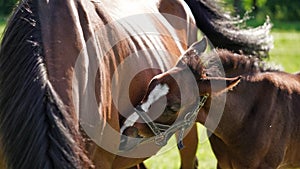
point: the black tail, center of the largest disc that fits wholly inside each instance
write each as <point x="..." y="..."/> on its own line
<point x="224" y="31"/>
<point x="35" y="130"/>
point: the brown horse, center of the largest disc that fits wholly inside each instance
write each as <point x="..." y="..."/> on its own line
<point x="259" y="126"/>
<point x="56" y="55"/>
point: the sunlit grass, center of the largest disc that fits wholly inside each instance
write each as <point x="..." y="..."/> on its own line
<point x="286" y="50"/>
<point x="170" y="159"/>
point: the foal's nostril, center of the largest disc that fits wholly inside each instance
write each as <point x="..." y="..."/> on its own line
<point x="131" y="132"/>
<point x="174" y="107"/>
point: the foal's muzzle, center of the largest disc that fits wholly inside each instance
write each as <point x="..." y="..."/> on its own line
<point x="162" y="132"/>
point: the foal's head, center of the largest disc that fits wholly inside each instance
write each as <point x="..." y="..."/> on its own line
<point x="173" y="94"/>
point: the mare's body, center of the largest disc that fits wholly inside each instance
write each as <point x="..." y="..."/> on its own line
<point x="59" y="33"/>
<point x="38" y="58"/>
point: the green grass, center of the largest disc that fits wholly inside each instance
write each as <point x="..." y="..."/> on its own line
<point x="286" y="52"/>
<point x="169" y="159"/>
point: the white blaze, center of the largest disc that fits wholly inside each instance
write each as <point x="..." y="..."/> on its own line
<point x="159" y="91"/>
<point x="129" y="121"/>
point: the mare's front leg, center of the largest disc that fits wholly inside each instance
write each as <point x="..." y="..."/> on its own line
<point x="188" y="153"/>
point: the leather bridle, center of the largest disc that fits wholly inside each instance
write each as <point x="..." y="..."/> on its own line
<point x="163" y="132"/>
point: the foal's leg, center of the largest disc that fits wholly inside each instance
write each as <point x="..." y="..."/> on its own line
<point x="188" y="153"/>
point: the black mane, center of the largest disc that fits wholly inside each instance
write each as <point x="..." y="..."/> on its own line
<point x="35" y="130"/>
<point x="225" y="31"/>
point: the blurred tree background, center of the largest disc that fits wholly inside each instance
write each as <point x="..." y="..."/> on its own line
<point x="279" y="10"/>
<point x="6" y="6"/>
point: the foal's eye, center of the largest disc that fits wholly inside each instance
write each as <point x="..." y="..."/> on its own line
<point x="174" y="107"/>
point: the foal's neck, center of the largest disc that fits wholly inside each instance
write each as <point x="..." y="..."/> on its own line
<point x="227" y="111"/>
<point x="235" y="64"/>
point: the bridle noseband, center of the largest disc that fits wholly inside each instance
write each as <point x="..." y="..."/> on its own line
<point x="163" y="132"/>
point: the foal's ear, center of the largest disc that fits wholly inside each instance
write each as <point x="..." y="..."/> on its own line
<point x="192" y="55"/>
<point x="199" y="46"/>
<point x="218" y="85"/>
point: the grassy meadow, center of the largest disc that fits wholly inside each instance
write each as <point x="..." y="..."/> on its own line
<point x="286" y="52"/>
<point x="170" y="159"/>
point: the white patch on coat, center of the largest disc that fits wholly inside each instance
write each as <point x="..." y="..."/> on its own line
<point x="159" y="91"/>
<point x="129" y="121"/>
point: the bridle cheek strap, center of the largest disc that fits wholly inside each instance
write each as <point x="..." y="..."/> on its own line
<point x="163" y="132"/>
